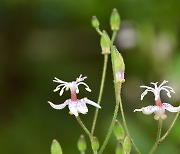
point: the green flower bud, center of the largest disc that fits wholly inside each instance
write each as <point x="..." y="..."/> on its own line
<point x="127" y="145"/>
<point x="118" y="130"/>
<point x="95" y="143"/>
<point x="95" y="22"/>
<point x="115" y="20"/>
<point x="105" y="43"/>
<point x="118" y="65"/>
<point x="119" y="148"/>
<point x="81" y="144"/>
<point x="55" y="147"/>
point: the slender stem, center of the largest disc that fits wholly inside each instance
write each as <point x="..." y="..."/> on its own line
<point x="125" y="126"/>
<point x="110" y="129"/>
<point x="82" y="152"/>
<point x="84" y="127"/>
<point x="117" y="104"/>
<point x="118" y="97"/>
<point x="99" y="31"/>
<point x="100" y="92"/>
<point x="170" y="128"/>
<point x="95" y="152"/>
<point x="158" y="137"/>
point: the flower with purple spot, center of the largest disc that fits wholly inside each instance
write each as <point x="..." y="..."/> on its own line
<point x="75" y="105"/>
<point x="159" y="108"/>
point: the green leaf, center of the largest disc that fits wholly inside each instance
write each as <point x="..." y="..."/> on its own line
<point x="55" y="147"/>
<point x="95" y="143"/>
<point x="115" y="20"/>
<point x="127" y="145"/>
<point x="118" y="130"/>
<point x="119" y="148"/>
<point x="81" y="144"/>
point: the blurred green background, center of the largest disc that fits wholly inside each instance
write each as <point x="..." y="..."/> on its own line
<point x="41" y="39"/>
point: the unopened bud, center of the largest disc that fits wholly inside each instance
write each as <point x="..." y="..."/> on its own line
<point x="118" y="64"/>
<point x="95" y="22"/>
<point x="118" y="130"/>
<point x="105" y="43"/>
<point x="115" y="20"/>
<point x="81" y="144"/>
<point x="95" y="143"/>
<point x="119" y="148"/>
<point x="55" y="147"/>
<point x="127" y="145"/>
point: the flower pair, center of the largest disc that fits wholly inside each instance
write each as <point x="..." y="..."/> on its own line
<point x="159" y="108"/>
<point x="75" y="105"/>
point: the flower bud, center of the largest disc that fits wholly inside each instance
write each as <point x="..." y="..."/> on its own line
<point x="118" y="65"/>
<point x="127" y="145"/>
<point x="95" y="143"/>
<point x="119" y="148"/>
<point x="115" y="20"/>
<point x="95" y="22"/>
<point x="118" y="130"/>
<point x="105" y="43"/>
<point x="55" y="147"/>
<point x="81" y="144"/>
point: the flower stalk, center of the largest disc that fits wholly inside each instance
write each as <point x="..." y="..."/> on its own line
<point x="100" y="92"/>
<point x="158" y="137"/>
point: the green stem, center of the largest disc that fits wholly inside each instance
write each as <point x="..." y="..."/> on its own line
<point x="170" y="128"/>
<point x="158" y="137"/>
<point x="99" y="31"/>
<point x="100" y="92"/>
<point x="94" y="152"/>
<point x="125" y="125"/>
<point x="110" y="129"/>
<point x="82" y="152"/>
<point x="84" y="127"/>
<point x="116" y="107"/>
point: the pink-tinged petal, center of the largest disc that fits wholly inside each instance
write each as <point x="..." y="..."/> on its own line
<point x="60" y="106"/>
<point x="90" y="102"/>
<point x="73" y="109"/>
<point x="147" y="110"/>
<point x="81" y="107"/>
<point x="171" y="108"/>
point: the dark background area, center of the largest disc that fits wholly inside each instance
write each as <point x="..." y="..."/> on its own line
<point x="41" y="39"/>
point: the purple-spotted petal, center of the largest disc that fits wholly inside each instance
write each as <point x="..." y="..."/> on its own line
<point x="73" y="109"/>
<point x="81" y="107"/>
<point x="171" y="108"/>
<point x="90" y="102"/>
<point x="147" y="110"/>
<point x="59" y="106"/>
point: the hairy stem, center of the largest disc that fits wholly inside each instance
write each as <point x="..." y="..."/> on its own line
<point x="170" y="128"/>
<point x="158" y="137"/>
<point x="100" y="92"/>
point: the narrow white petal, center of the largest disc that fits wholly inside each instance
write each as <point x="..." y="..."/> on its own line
<point x="171" y="108"/>
<point x="164" y="82"/>
<point x="62" y="91"/>
<point x="81" y="107"/>
<point x="73" y="109"/>
<point x="87" y="87"/>
<point x="60" y="106"/>
<point x="147" y="110"/>
<point x="90" y="102"/>
<point x="167" y="91"/>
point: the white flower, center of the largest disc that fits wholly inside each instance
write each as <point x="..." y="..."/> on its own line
<point x="75" y="105"/>
<point x="159" y="108"/>
<point x="157" y="89"/>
